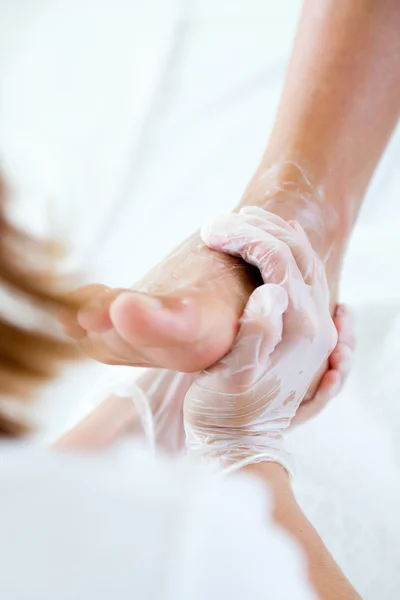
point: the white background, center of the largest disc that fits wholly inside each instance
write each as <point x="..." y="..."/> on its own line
<point x="122" y="128"/>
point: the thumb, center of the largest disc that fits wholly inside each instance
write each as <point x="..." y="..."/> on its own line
<point x="261" y="330"/>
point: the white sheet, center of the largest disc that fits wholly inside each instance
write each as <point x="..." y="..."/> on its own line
<point x="140" y="528"/>
<point x="125" y="133"/>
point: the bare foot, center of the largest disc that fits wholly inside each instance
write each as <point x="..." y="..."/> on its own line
<point x="165" y="390"/>
<point x="182" y="316"/>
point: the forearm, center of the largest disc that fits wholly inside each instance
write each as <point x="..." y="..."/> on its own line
<point x="340" y="103"/>
<point x="108" y="422"/>
<point x="121" y="414"/>
<point x="324" y="574"/>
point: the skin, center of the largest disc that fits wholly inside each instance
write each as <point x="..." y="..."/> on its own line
<point x="116" y="417"/>
<point x="308" y="294"/>
<point x="324" y="574"/>
<point x="247" y="408"/>
<point x="339" y="106"/>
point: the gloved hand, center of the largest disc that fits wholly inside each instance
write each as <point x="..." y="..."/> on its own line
<point x="153" y="404"/>
<point x="166" y="390"/>
<point x="238" y="410"/>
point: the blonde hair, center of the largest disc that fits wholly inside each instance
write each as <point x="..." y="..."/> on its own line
<point x="28" y="357"/>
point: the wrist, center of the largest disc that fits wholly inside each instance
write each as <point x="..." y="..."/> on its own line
<point x="275" y="476"/>
<point x="289" y="190"/>
<point x="286" y="189"/>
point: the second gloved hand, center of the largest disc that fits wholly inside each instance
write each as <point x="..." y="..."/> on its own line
<point x="237" y="411"/>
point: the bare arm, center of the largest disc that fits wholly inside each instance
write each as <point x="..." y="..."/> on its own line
<point x="324" y="574"/>
<point x="341" y="99"/>
<point x="108" y="422"/>
<point x="119" y="414"/>
<point x="339" y="106"/>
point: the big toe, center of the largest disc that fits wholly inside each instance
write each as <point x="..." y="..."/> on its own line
<point x="182" y="332"/>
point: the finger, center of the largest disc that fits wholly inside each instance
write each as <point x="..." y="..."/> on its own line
<point x="257" y="211"/>
<point x="340" y="362"/>
<point x="234" y="235"/>
<point x="344" y="322"/>
<point x="328" y="389"/>
<point x="289" y="232"/>
<point x="342" y="357"/>
<point x="260" y="332"/>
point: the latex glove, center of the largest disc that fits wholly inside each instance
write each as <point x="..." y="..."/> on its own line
<point x="166" y="390"/>
<point x="238" y="410"/>
<point x="340" y="364"/>
<point x="153" y="404"/>
<point x="122" y="405"/>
